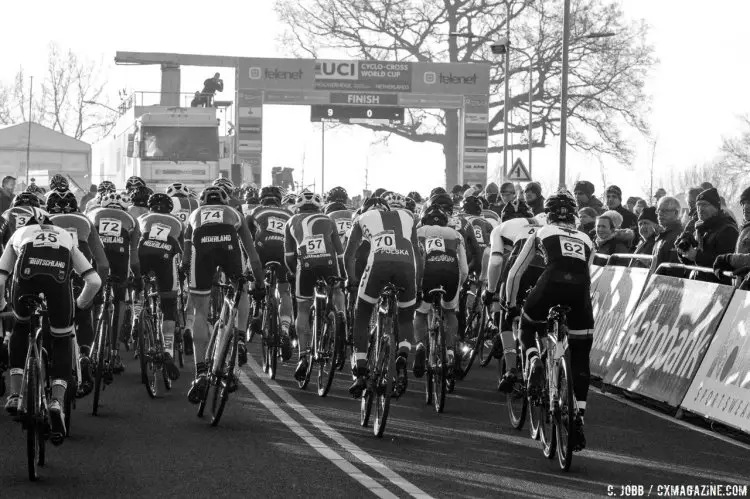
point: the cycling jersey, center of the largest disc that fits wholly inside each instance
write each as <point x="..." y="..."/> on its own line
<point x="343" y="221"/>
<point x="312" y="247"/>
<point x="137" y="211"/>
<point x="91" y="205"/>
<point x="391" y="258"/>
<point x="182" y="208"/>
<point x="13" y="219"/>
<point x="213" y="231"/>
<point x="267" y="225"/>
<point x="482" y="230"/>
<point x="445" y="264"/>
<point x="161" y="240"/>
<point x="119" y="234"/>
<point x="473" y="252"/>
<point x="510" y="234"/>
<point x="42" y="258"/>
<point x="84" y="235"/>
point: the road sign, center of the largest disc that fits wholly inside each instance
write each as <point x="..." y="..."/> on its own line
<point x="345" y="114"/>
<point x="518" y="172"/>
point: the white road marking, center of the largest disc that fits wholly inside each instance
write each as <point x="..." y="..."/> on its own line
<point x="345" y="443"/>
<point x="314" y="442"/>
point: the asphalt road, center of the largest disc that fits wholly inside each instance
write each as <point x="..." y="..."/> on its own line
<point x="278" y="441"/>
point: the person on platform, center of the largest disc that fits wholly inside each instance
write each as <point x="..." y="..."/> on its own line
<point x="210" y="87"/>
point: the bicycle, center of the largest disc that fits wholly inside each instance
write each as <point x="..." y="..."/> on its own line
<point x="437" y="370"/>
<point x="102" y="357"/>
<point x="555" y="406"/>
<point x="327" y="336"/>
<point x="474" y="341"/>
<point x="217" y="298"/>
<point x="151" y="345"/>
<point x="518" y="400"/>
<point x="381" y="360"/>
<point x="271" y="339"/>
<point x="221" y="354"/>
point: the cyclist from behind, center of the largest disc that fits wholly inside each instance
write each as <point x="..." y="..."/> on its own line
<point x="41" y="257"/>
<point x="228" y="187"/>
<point x="160" y="242"/>
<point x="105" y="187"/>
<point x="63" y="209"/>
<point x="471" y="207"/>
<point x="215" y="237"/>
<point x="18" y="215"/>
<point x="566" y="280"/>
<point x="182" y="201"/>
<point x="139" y="198"/>
<point x="267" y="223"/>
<point x="444" y="266"/>
<point x="337" y="210"/>
<point x="392" y="257"/>
<point x="120" y="235"/>
<point x="313" y="250"/>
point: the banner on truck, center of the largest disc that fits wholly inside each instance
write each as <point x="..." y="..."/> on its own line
<point x="658" y="353"/>
<point x="721" y="388"/>
<point x="614" y="300"/>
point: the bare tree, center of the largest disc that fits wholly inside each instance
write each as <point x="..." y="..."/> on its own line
<point x="72" y="99"/>
<point x="606" y="75"/>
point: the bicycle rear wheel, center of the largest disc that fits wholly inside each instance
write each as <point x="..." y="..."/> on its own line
<point x="70" y="396"/>
<point x="565" y="417"/>
<point x="437" y="365"/>
<point x="385" y="368"/>
<point x="328" y="354"/>
<point x="546" y="422"/>
<point x="517" y="400"/>
<point x="32" y="423"/>
<point x="209" y="360"/>
<point x="313" y="356"/>
<point x="365" y="408"/>
<point x="145" y="353"/>
<point x="225" y="377"/>
<point x="102" y="358"/>
<point x="484" y="345"/>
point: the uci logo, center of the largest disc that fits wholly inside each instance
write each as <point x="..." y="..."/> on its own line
<point x="337" y="70"/>
<point x="255" y="73"/>
<point x="430" y="77"/>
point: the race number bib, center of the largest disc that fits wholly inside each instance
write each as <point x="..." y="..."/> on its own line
<point x="110" y="227"/>
<point x="212" y="216"/>
<point x="183" y="215"/>
<point x="46" y="239"/>
<point x="385" y="240"/>
<point x="314" y="245"/>
<point x="479" y="234"/>
<point x="74" y="234"/>
<point x="343" y="226"/>
<point x="434" y="244"/>
<point x="21" y="220"/>
<point x="572" y="248"/>
<point x="275" y="225"/>
<point x="160" y="232"/>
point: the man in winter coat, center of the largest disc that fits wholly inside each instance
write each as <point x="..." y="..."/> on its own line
<point x="740" y="259"/>
<point x="584" y="193"/>
<point x="534" y="198"/>
<point x="614" y="203"/>
<point x="670" y="229"/>
<point x="648" y="226"/>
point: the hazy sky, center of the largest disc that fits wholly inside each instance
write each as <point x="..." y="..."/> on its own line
<point x="695" y="91"/>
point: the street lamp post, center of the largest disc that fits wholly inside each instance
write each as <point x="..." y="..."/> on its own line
<point x="564" y="95"/>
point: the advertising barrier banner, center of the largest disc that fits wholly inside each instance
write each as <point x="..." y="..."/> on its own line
<point x="614" y="299"/>
<point x="658" y="353"/>
<point x="721" y="388"/>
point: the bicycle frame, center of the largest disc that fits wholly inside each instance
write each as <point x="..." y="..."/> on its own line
<point x="556" y="343"/>
<point x="228" y="316"/>
<point x="34" y="351"/>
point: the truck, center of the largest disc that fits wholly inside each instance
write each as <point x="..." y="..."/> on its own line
<point x="161" y="145"/>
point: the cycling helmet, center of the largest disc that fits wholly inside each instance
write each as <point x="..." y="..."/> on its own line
<point x="251" y="196"/>
<point x="517" y="209"/>
<point x="331" y="207"/>
<point x="395" y="200"/>
<point x="139" y="195"/>
<point x="58" y="183"/>
<point x="338" y="195"/>
<point x="411" y="205"/>
<point x="177" y="189"/>
<point x="379" y="192"/>
<point x="471" y="205"/>
<point x="437" y="190"/>
<point x="560" y="207"/>
<point x="444" y="200"/>
<point x="113" y="200"/>
<point x="435" y="215"/>
<point x="289" y="199"/>
<point x="214" y="195"/>
<point x="134" y="182"/>
<point x="106" y="186"/>
<point x="62" y="202"/>
<point x="26" y="199"/>
<point x="271" y="191"/>
<point x="160" y="203"/>
<point x="125" y="195"/>
<point x="308" y="198"/>
<point x="225" y="184"/>
<point x="37" y="216"/>
<point x="415" y="196"/>
<point x="375" y="203"/>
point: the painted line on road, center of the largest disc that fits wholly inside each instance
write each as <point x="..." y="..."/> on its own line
<point x="337" y="437"/>
<point x="315" y="442"/>
<point x="671" y="419"/>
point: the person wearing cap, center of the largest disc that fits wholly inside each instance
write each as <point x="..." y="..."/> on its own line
<point x="648" y="228"/>
<point x="6" y="193"/>
<point x="691" y="217"/>
<point x="614" y="203"/>
<point x="715" y="234"/>
<point x="533" y="196"/>
<point x="492" y="192"/>
<point x="740" y="258"/>
<point x="584" y="193"/>
<point x="670" y="227"/>
<point x="607" y="240"/>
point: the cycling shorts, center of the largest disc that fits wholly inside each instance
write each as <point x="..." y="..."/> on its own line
<point x="270" y="254"/>
<point x="546" y="294"/>
<point x="164" y="266"/>
<point x="60" y="304"/>
<point x="309" y="272"/>
<point x="204" y="259"/>
<point x="377" y="274"/>
<point x="119" y="262"/>
<point x="528" y="280"/>
<point x="435" y="276"/>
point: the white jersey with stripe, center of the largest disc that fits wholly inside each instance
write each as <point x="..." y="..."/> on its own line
<point x="507" y="234"/>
